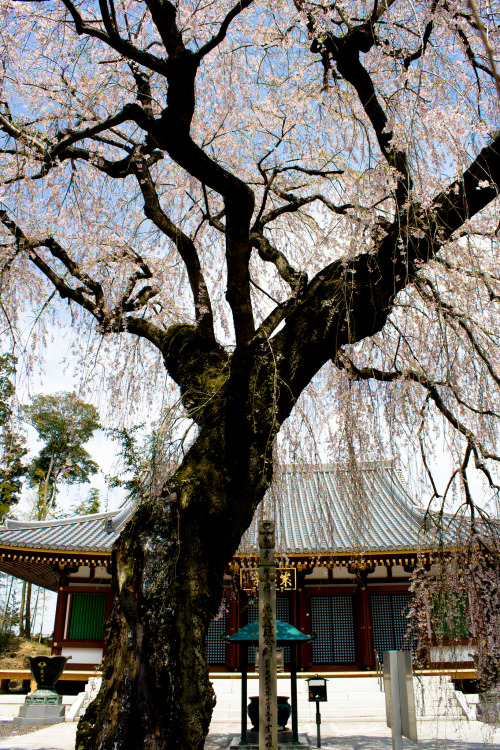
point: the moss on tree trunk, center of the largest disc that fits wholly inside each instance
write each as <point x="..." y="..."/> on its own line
<point x="168" y="566"/>
<point x="155" y="692"/>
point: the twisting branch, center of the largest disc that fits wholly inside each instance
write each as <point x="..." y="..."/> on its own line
<point x="269" y="253"/>
<point x="221" y="34"/>
<point x="295" y="203"/>
<point x="345" y="52"/>
<point x="113" y="320"/>
<point x="114" y="40"/>
<point x="127" y="302"/>
<point x="407" y="61"/>
<point x="65" y="139"/>
<point x="373" y="373"/>
<point x="50" y="155"/>
<point x="143" y="83"/>
<point x="184" y="245"/>
<point x="171" y="132"/>
<point x="18" y="134"/>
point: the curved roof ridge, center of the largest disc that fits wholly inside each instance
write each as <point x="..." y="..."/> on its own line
<point x="117" y="515"/>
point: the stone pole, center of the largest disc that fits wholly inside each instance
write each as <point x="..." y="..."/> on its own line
<point x="268" y="692"/>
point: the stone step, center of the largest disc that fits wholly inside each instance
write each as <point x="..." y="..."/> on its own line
<point x="349" y="699"/>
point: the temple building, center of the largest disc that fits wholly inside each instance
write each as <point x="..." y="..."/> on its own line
<point x="347" y="544"/>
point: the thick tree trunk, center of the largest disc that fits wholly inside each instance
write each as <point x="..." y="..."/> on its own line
<point x="169" y="561"/>
<point x="155" y="692"/>
<point x="168" y="567"/>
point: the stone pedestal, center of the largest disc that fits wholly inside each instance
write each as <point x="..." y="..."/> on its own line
<point x="285" y="741"/>
<point x="41" y="707"/>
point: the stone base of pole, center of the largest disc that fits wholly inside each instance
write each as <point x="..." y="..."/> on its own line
<point x="285" y="741"/>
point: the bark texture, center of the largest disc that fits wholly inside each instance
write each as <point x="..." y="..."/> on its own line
<point x="168" y="563"/>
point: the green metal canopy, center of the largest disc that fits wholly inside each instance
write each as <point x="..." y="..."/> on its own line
<point x="285" y="633"/>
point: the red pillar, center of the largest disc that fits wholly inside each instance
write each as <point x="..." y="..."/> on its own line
<point x="362" y="626"/>
<point x="305" y="626"/>
<point x="61" y="607"/>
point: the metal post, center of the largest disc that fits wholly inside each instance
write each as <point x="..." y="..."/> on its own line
<point x="318" y="725"/>
<point x="268" y="687"/>
<point x="293" y="690"/>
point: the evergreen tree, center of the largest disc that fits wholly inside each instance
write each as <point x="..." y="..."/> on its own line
<point x="64" y="423"/>
<point x="12" y="442"/>
<point x="91" y="504"/>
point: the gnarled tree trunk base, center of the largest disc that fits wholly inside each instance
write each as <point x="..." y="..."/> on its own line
<point x="155" y="693"/>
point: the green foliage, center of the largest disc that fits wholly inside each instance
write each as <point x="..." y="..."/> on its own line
<point x="91" y="504"/>
<point x="7" y="371"/>
<point x="449" y="615"/>
<point x="64" y="423"/>
<point x="6" y="638"/>
<point x="62" y="420"/>
<point x="12" y="443"/>
<point x="146" y="459"/>
<point x="133" y="457"/>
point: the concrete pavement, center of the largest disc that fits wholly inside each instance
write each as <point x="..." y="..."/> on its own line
<point x="55" y="737"/>
<point x="352" y="719"/>
<point x="373" y="735"/>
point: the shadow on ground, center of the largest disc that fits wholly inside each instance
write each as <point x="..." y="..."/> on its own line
<point x="222" y="742"/>
<point x="385" y="743"/>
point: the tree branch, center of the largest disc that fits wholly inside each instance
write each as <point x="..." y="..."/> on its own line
<point x="270" y="254"/>
<point x="373" y="373"/>
<point x="449" y="312"/>
<point x="171" y="132"/>
<point x="296" y="203"/>
<point x="345" y="52"/>
<point x="184" y="245"/>
<point x="351" y="299"/>
<point x="123" y="46"/>
<point x="108" y="320"/>
<point x="221" y="34"/>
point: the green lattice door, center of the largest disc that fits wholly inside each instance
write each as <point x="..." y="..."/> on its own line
<point x="88" y="612"/>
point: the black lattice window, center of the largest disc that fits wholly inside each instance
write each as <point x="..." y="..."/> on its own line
<point x="282" y="613"/>
<point x="332" y="620"/>
<point x="390" y="622"/>
<point x="216" y="647"/>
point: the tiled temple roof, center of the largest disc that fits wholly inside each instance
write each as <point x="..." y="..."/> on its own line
<point x="96" y="532"/>
<point x="319" y="509"/>
<point x="328" y="508"/>
<point x="38" y="551"/>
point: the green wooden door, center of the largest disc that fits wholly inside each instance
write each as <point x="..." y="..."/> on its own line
<point x="87" y="617"/>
